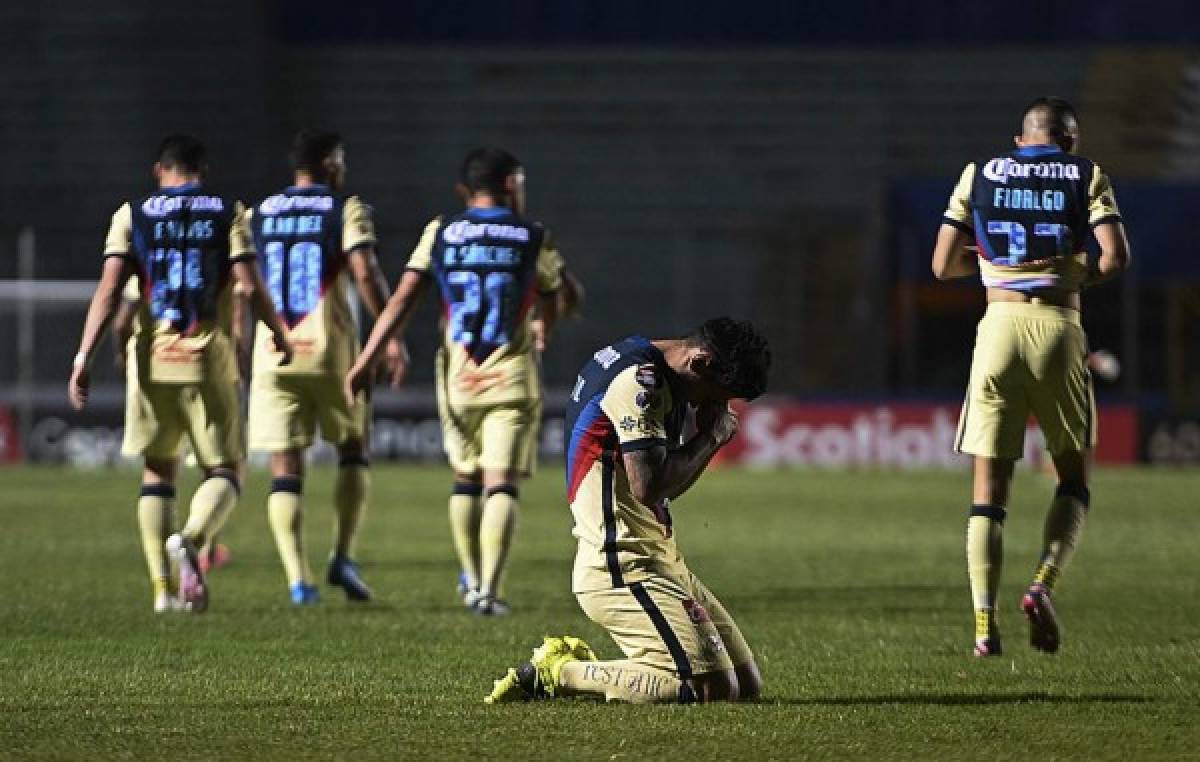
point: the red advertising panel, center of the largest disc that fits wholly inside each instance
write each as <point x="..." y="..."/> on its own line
<point x="10" y="442"/>
<point x="888" y="435"/>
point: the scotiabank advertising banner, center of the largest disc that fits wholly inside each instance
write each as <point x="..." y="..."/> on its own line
<point x="888" y="435"/>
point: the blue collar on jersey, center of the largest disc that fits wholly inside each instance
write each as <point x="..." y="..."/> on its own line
<point x="314" y="188"/>
<point x="1044" y="149"/>
<point x="489" y="211"/>
<point x="184" y="188"/>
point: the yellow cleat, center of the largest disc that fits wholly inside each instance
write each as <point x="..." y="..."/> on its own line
<point x="538" y="677"/>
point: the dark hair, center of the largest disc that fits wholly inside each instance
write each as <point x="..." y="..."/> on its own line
<point x="1054" y="112"/>
<point x="740" y="355"/>
<point x="311" y="147"/>
<point x="486" y="169"/>
<point x="182" y="152"/>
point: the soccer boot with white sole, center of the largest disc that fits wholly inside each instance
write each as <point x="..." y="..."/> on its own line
<point x="344" y="573"/>
<point x="987" y="635"/>
<point x="489" y="605"/>
<point x="538" y="677"/>
<point x="1038" y="607"/>
<point x="193" y="590"/>
<point x="304" y="594"/>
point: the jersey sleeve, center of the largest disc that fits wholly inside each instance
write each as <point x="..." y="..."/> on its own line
<point x="120" y="233"/>
<point x="549" y="266"/>
<point x="1102" y="200"/>
<point x="636" y="403"/>
<point x="241" y="242"/>
<point x="421" y="259"/>
<point x="958" y="211"/>
<point x="358" y="225"/>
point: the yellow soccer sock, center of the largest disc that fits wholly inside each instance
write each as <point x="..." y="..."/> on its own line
<point x="156" y="507"/>
<point x="985" y="555"/>
<point x="465" y="513"/>
<point x="214" y="500"/>
<point x="285" y="510"/>
<point x="350" y="494"/>
<point x="1064" y="524"/>
<point x="497" y="525"/>
<point x="626" y="681"/>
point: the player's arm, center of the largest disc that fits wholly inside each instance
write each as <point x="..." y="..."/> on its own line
<point x="654" y="473"/>
<point x="549" y="270"/>
<point x="372" y="288"/>
<point x="392" y="321"/>
<point x="122" y="324"/>
<point x="100" y="313"/>
<point x="1114" y="253"/>
<point x="1105" y="219"/>
<point x="249" y="280"/>
<point x="951" y="257"/>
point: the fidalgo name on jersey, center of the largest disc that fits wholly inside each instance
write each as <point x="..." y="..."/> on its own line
<point x="1024" y="198"/>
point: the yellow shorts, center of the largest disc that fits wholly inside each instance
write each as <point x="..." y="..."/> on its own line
<point x="285" y="411"/>
<point x="670" y="623"/>
<point x="158" y="416"/>
<point x="494" y="438"/>
<point x="1029" y="359"/>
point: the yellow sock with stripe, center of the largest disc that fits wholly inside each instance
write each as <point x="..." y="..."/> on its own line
<point x="624" y="680"/>
<point x="350" y="493"/>
<point x="1064" y="524"/>
<point x="497" y="525"/>
<point x="465" y="511"/>
<point x="985" y="557"/>
<point x="156" y="509"/>
<point x="211" y="505"/>
<point x="285" y="511"/>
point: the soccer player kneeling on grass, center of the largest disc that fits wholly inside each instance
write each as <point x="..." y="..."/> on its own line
<point x="626" y="460"/>
<point x="187" y="246"/>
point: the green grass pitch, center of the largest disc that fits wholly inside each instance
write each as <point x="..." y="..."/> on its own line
<point x="850" y="587"/>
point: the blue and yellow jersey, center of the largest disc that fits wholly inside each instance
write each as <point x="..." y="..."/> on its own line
<point x="304" y="237"/>
<point x="489" y="264"/>
<point x="1030" y="211"/>
<point x="625" y="399"/>
<point x="182" y="243"/>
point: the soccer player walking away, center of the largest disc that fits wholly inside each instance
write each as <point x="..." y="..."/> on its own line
<point x="490" y="265"/>
<point x="311" y="240"/>
<point x="1028" y="213"/>
<point x="626" y="461"/>
<point x="183" y="243"/>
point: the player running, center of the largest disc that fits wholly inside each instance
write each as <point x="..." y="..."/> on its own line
<point x="187" y="246"/>
<point x="312" y="240"/>
<point x="1028" y="212"/>
<point x="490" y="265"/>
<point x="626" y="460"/>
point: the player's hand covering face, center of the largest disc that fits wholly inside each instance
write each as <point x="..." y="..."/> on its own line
<point x="717" y="419"/>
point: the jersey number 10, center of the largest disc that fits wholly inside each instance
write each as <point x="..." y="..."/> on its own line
<point x="294" y="280"/>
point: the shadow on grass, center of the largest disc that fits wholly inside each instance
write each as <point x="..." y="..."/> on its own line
<point x="962" y="699"/>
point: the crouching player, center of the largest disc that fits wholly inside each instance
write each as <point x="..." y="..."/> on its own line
<point x="626" y="460"/>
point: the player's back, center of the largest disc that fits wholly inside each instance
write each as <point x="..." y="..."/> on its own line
<point x="486" y="263"/>
<point x="185" y="241"/>
<point x="299" y="234"/>
<point x="1030" y="211"/>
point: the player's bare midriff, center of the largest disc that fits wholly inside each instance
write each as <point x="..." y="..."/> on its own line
<point x="1049" y="297"/>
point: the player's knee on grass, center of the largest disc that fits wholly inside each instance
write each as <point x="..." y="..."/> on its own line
<point x="749" y="681"/>
<point x="715" y="686"/>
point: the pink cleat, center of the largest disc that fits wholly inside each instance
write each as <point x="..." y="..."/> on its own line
<point x="193" y="592"/>
<point x="1043" y="621"/>
<point x="214" y="557"/>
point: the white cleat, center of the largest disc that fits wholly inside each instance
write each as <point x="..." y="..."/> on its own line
<point x="165" y="602"/>
<point x="488" y="605"/>
<point x="193" y="592"/>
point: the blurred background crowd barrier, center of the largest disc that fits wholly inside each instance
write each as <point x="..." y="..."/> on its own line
<point x="782" y="161"/>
